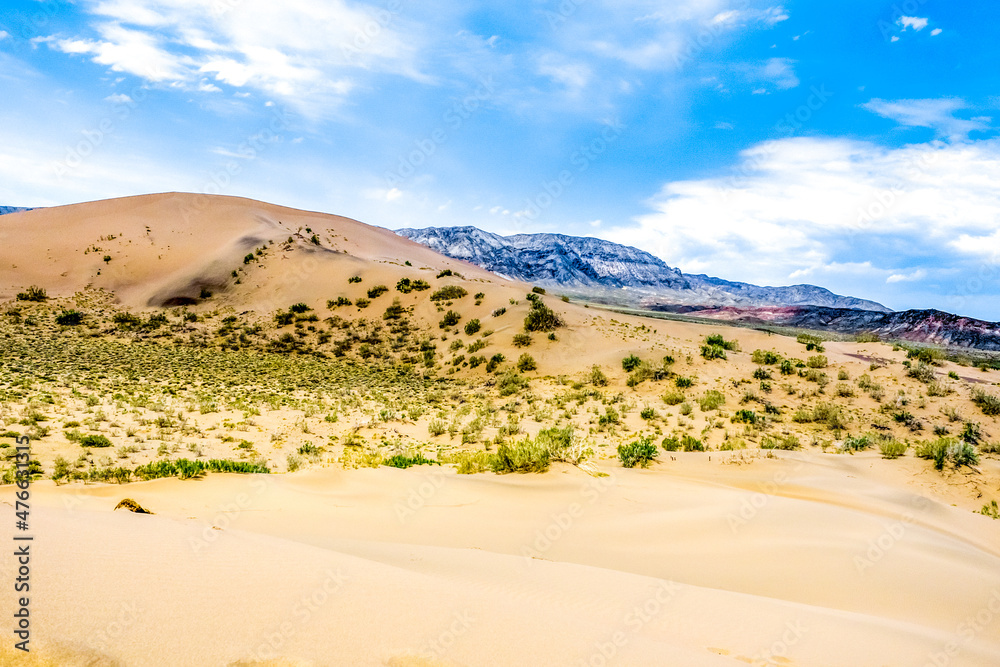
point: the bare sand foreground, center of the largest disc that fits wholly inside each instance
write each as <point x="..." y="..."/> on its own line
<point x="806" y="559"/>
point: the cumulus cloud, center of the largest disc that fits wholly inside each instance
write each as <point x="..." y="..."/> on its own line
<point x="937" y="114"/>
<point x="298" y="49"/>
<point x="914" y="22"/>
<point x="834" y="208"/>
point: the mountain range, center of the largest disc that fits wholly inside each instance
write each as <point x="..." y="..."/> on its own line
<point x="4" y="210"/>
<point x="618" y="273"/>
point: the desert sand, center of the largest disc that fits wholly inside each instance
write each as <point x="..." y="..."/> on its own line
<point x="746" y="556"/>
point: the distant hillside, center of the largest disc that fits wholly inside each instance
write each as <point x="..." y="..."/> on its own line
<point x="616" y="272"/>
<point x="918" y="326"/>
<point x="4" y="210"/>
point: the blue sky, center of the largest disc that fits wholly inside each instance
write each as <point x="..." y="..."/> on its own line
<point x="850" y="145"/>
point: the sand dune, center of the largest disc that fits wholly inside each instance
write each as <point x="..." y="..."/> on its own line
<point x="791" y="561"/>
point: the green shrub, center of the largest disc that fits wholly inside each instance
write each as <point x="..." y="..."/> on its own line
<point x="377" y="291"/>
<point x="683" y="443"/>
<point x="637" y="453"/>
<point x="892" y="448"/>
<point x="765" y="357"/>
<point x="522" y="340"/>
<point x="521" y="457"/>
<point x="812" y="343"/>
<point x="648" y="413"/>
<point x="712" y="400"/>
<point x="476" y="361"/>
<point x="299" y="308"/>
<point x="541" y="318"/>
<point x="526" y="363"/>
<point x="283" y="319"/>
<point x="126" y="320"/>
<point x="787" y="367"/>
<point x="673" y="398"/>
<point x="630" y="363"/>
<point x="69" y="318"/>
<point x="717" y="340"/>
<point x="495" y="362"/>
<point x="817" y="361"/>
<point x="538" y="290"/>
<point x="686" y="409"/>
<point x="744" y="417"/>
<point x="449" y="293"/>
<point x="404" y="461"/>
<point x="472" y="327"/>
<point x="340" y="301"/>
<point x="945" y="449"/>
<point x="761" y="374"/>
<point x="511" y="383"/>
<point x="597" y="377"/>
<point x="447" y="272"/>
<point x="785" y="442"/>
<point x="682" y="382"/>
<point x="450" y="319"/>
<point x="922" y="372"/>
<point x="711" y="352"/>
<point x="354" y="279"/>
<point x="94" y="441"/>
<point x="991" y="510"/>
<point x="33" y="293"/>
<point x="988" y="403"/>
<point x="395" y="311"/>
<point x="405" y="285"/>
<point x="857" y="443"/>
<point x="499" y="311"/>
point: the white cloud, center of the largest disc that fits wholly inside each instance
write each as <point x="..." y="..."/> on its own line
<point x="573" y="76"/>
<point x="936" y="31"/>
<point x="781" y="72"/>
<point x="4" y="35"/>
<point x="919" y="274"/>
<point x="118" y="98"/>
<point x="792" y="205"/>
<point x="299" y="49"/>
<point x="938" y="114"/>
<point x="912" y="22"/>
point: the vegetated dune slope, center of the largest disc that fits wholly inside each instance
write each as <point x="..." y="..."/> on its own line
<point x="690" y="564"/>
<point x="710" y="558"/>
<point x="166" y="247"/>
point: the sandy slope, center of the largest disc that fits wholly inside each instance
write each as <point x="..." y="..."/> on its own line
<point x="819" y="560"/>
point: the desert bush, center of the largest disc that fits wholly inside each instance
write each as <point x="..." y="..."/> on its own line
<point x="673" y="398"/>
<point x="947" y="449"/>
<point x="988" y="403"/>
<point x="637" y="453"/>
<point x="787" y="367"/>
<point x="711" y="352"/>
<point x="786" y="442"/>
<point x="521" y="457"/>
<point x="682" y="382"/>
<point x="844" y="390"/>
<point x="33" y="293"/>
<point x="526" y="363"/>
<point x="377" y="291"/>
<point x="812" y="343"/>
<point x="405" y="285"/>
<point x="541" y="318"/>
<point x="472" y="327"/>
<point x="712" y="400"/>
<point x="522" y="340"/>
<point x="648" y="413"/>
<point x="498" y="312"/>
<point x="817" y="361"/>
<point x="450" y="319"/>
<point x="684" y="443"/>
<point x="992" y="510"/>
<point x="511" y="383"/>
<point x="892" y="448"/>
<point x="744" y="417"/>
<point x="94" y="441"/>
<point x="922" y="372"/>
<point x="495" y="362"/>
<point x="408" y="461"/>
<point x="857" y="443"/>
<point x="765" y="357"/>
<point x="69" y="318"/>
<point x="842" y="374"/>
<point x="630" y="363"/>
<point x="449" y="293"/>
<point x="476" y="361"/>
<point x="597" y="377"/>
<point x="437" y="427"/>
<point x="299" y="308"/>
<point x="340" y="301"/>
